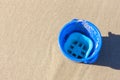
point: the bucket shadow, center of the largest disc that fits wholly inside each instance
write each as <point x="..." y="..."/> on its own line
<point x="110" y="51"/>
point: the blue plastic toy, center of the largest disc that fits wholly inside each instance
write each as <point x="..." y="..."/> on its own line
<point x="80" y="41"/>
<point x="78" y="46"/>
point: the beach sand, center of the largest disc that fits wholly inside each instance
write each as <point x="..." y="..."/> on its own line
<point x="29" y="32"/>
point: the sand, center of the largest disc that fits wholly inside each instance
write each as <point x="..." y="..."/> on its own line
<point x="29" y="39"/>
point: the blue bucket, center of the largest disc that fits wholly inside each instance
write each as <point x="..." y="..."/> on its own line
<point x="80" y="41"/>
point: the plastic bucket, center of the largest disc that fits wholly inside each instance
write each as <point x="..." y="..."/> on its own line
<point x="80" y="41"/>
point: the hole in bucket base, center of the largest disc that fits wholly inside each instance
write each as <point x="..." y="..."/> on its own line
<point x="71" y="47"/>
<point x="83" y="53"/>
<point x="69" y="51"/>
<point x="80" y="45"/>
<point x="85" y="48"/>
<point x="75" y="42"/>
<point x="79" y="57"/>
<point x="74" y="54"/>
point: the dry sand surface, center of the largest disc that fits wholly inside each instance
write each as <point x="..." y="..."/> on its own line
<point x="29" y="39"/>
